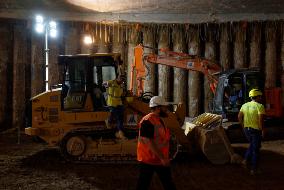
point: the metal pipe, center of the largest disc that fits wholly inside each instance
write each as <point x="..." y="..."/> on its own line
<point x="46" y="57"/>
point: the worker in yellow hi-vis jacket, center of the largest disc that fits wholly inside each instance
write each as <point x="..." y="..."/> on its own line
<point x="114" y="102"/>
<point x="251" y="118"/>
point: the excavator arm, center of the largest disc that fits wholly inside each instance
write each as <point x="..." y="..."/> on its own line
<point x="172" y="59"/>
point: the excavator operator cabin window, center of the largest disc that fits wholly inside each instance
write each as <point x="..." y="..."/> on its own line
<point x="234" y="94"/>
<point x="75" y="84"/>
<point x="76" y="75"/>
<point x="108" y="73"/>
<point x="104" y="69"/>
<point x="103" y="74"/>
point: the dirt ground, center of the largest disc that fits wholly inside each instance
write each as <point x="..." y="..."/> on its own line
<point x="31" y="165"/>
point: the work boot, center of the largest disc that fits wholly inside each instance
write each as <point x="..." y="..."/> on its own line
<point x="120" y="135"/>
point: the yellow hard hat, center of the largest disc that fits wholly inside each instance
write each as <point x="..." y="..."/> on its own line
<point x="255" y="92"/>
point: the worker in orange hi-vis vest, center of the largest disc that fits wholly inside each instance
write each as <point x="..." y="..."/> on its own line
<point x="153" y="146"/>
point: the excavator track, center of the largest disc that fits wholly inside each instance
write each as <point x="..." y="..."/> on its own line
<point x="101" y="146"/>
<point x="98" y="146"/>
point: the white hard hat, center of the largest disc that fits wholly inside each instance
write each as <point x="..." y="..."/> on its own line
<point x="157" y="101"/>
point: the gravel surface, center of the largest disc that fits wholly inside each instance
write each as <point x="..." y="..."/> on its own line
<point x="33" y="166"/>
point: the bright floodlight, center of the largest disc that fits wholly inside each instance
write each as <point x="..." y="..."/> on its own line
<point x="52" y="24"/>
<point x="53" y="33"/>
<point x="39" y="28"/>
<point x="48" y="27"/>
<point x="88" y="39"/>
<point x="39" y="19"/>
<point x="52" y="29"/>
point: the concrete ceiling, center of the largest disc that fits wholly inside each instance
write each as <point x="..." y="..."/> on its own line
<point x="161" y="11"/>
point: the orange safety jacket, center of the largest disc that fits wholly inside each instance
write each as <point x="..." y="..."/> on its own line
<point x="161" y="139"/>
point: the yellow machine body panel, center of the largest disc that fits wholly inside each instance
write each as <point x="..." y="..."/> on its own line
<point x="74" y="116"/>
<point x="51" y="123"/>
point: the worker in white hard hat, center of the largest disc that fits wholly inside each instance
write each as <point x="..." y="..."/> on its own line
<point x="251" y="117"/>
<point x="153" y="146"/>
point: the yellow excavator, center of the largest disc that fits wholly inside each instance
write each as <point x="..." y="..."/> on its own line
<point x="73" y="116"/>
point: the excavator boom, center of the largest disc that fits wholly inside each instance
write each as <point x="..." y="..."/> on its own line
<point x="172" y="59"/>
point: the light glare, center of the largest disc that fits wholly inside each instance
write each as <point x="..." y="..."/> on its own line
<point x="39" y="28"/>
<point x="39" y="19"/>
<point x="52" y="24"/>
<point x="53" y="33"/>
<point x="88" y="40"/>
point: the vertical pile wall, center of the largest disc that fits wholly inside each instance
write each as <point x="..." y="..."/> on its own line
<point x="149" y="40"/>
<point x="5" y="61"/>
<point x="240" y="46"/>
<point x="225" y="48"/>
<point x="118" y="43"/>
<point x="37" y="64"/>
<point x="71" y="42"/>
<point x="194" y="77"/>
<point x="270" y="55"/>
<point x="86" y="29"/>
<point x="133" y="40"/>
<point x="282" y="61"/>
<point x="53" y="67"/>
<point x="210" y="53"/>
<point x="180" y="75"/>
<point x="255" y="45"/>
<point x="19" y="77"/>
<point x="22" y="57"/>
<point x="104" y="39"/>
<point x="164" y="79"/>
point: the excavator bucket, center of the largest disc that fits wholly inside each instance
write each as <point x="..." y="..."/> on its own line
<point x="207" y="132"/>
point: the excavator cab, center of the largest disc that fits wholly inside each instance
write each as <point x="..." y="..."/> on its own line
<point x="83" y="78"/>
<point x="233" y="89"/>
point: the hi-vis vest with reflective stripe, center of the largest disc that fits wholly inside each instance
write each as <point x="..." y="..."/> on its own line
<point x="161" y="139"/>
<point x="114" y="92"/>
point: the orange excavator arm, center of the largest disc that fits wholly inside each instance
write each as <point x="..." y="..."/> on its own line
<point x="172" y="59"/>
<point x="139" y="68"/>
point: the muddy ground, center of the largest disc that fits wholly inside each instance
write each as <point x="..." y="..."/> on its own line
<point x="32" y="165"/>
